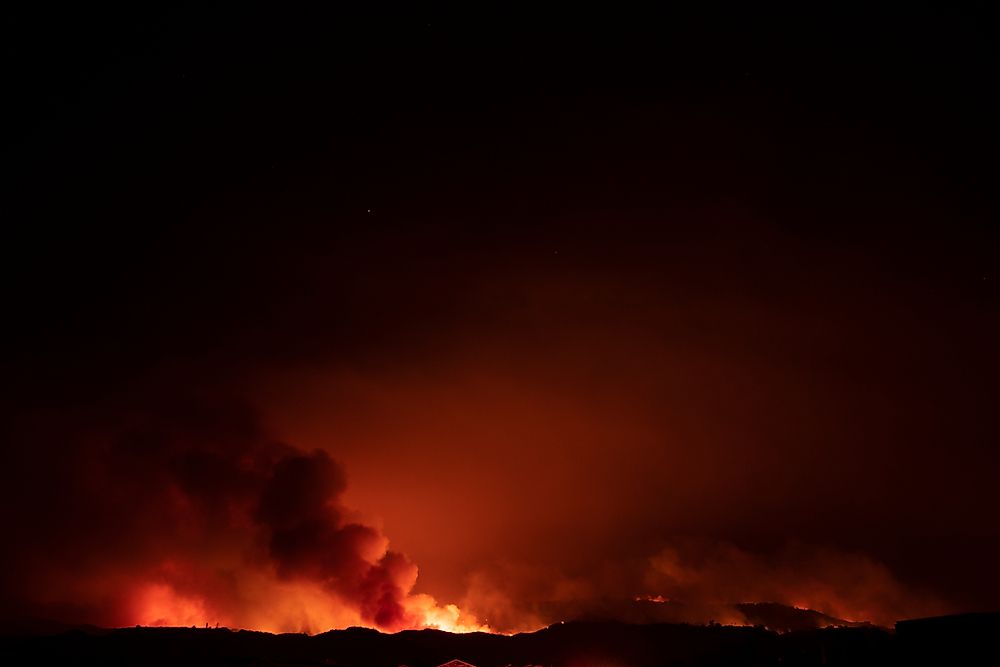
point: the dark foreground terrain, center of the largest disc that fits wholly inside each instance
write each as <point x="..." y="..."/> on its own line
<point x="949" y="640"/>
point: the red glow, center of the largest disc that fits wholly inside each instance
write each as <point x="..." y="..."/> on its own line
<point x="287" y="608"/>
<point x="158" y="604"/>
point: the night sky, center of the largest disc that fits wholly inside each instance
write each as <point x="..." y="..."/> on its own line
<point x="554" y="310"/>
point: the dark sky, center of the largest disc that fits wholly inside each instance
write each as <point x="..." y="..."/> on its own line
<point x="561" y="307"/>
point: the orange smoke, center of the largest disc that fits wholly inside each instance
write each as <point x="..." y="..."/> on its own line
<point x="159" y="604"/>
<point x="698" y="581"/>
<point x="849" y="586"/>
<point x="189" y="514"/>
<point x="287" y="608"/>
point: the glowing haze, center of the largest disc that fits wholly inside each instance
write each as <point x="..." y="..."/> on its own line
<point x="194" y="516"/>
<point x="401" y="323"/>
<point x="534" y="478"/>
<point x="189" y="513"/>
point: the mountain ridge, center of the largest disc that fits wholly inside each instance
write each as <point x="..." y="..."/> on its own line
<point x="567" y="644"/>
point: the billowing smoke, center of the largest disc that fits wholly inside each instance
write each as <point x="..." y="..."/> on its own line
<point x="189" y="513"/>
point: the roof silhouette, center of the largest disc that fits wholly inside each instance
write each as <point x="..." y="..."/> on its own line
<point x="456" y="663"/>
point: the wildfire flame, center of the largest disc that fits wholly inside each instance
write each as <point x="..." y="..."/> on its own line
<point x="290" y="608"/>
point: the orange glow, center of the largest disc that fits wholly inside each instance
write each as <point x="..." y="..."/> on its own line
<point x="160" y="605"/>
<point x="443" y="617"/>
<point x="289" y="608"/>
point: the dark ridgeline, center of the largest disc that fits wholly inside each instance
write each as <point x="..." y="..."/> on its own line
<point x="769" y="615"/>
<point x="578" y="643"/>
<point x="957" y="639"/>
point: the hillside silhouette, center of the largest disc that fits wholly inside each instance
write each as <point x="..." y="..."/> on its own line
<point x="574" y="643"/>
<point x="770" y="615"/>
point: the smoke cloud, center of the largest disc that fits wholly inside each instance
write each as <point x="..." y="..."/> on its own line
<point x="849" y="586"/>
<point x="189" y="513"/>
<point x="699" y="581"/>
<point x="547" y="320"/>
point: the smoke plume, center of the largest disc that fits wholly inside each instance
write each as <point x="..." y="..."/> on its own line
<point x="189" y="513"/>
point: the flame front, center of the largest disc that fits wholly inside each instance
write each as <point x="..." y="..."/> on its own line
<point x="289" y="608"/>
<point x="204" y="519"/>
